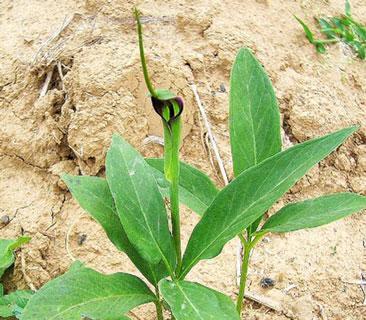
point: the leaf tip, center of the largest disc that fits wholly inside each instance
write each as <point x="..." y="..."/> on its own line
<point x="116" y="139"/>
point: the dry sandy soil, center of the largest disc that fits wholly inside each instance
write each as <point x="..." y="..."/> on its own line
<point x="88" y="50"/>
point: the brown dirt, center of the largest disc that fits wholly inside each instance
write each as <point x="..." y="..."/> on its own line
<point x="102" y="92"/>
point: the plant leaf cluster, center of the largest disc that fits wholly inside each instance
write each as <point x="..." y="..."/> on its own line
<point x="344" y="29"/>
<point x="130" y="205"/>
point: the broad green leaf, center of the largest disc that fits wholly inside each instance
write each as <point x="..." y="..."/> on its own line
<point x="254" y="115"/>
<point x="192" y="301"/>
<point x="196" y="189"/>
<point x="252" y="193"/>
<point x="139" y="203"/>
<point x="83" y="292"/>
<point x="307" y="30"/>
<point x="315" y="212"/>
<point x="94" y="196"/>
<point x="14" y="303"/>
<point x="6" y="252"/>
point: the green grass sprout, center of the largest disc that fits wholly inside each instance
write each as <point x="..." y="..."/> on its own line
<point x="339" y="29"/>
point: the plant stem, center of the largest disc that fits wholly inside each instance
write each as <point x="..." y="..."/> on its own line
<point x="174" y="203"/>
<point x="243" y="276"/>
<point x="158" y="305"/>
<point x="172" y="170"/>
<point x="142" y="55"/>
<point x="248" y="246"/>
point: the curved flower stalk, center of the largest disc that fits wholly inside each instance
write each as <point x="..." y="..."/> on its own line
<point x="169" y="107"/>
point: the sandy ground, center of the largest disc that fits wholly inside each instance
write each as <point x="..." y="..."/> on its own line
<point x="88" y="50"/>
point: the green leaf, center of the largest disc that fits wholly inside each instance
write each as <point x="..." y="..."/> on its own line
<point x="340" y="26"/>
<point x="83" y="292"/>
<point x="6" y="252"/>
<point x="14" y="303"/>
<point x="94" y="196"/>
<point x="192" y="301"/>
<point x="315" y="212"/>
<point x="252" y="193"/>
<point x="327" y="29"/>
<point x="139" y="203"/>
<point x="196" y="190"/>
<point x="348" y="8"/>
<point x="254" y="115"/>
<point x="360" y="31"/>
<point x="307" y="30"/>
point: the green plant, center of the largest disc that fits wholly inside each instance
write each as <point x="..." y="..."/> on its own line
<point x="344" y="28"/>
<point x="13" y="303"/>
<point x="129" y="204"/>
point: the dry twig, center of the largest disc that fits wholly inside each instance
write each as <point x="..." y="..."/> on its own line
<point x="153" y="139"/>
<point x="46" y="84"/>
<point x="210" y="135"/>
<point x="363" y="287"/>
<point x="265" y="301"/>
<point x="59" y="68"/>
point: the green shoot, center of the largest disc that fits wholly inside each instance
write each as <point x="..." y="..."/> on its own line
<point x="339" y="29"/>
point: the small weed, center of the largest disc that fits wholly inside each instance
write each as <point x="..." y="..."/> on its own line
<point x="339" y="29"/>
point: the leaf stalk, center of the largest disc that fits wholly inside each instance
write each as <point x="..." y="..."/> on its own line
<point x="248" y="247"/>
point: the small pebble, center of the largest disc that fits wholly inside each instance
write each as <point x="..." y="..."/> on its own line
<point x="267" y="283"/>
<point x="222" y="88"/>
<point x="81" y="239"/>
<point x="5" y="219"/>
